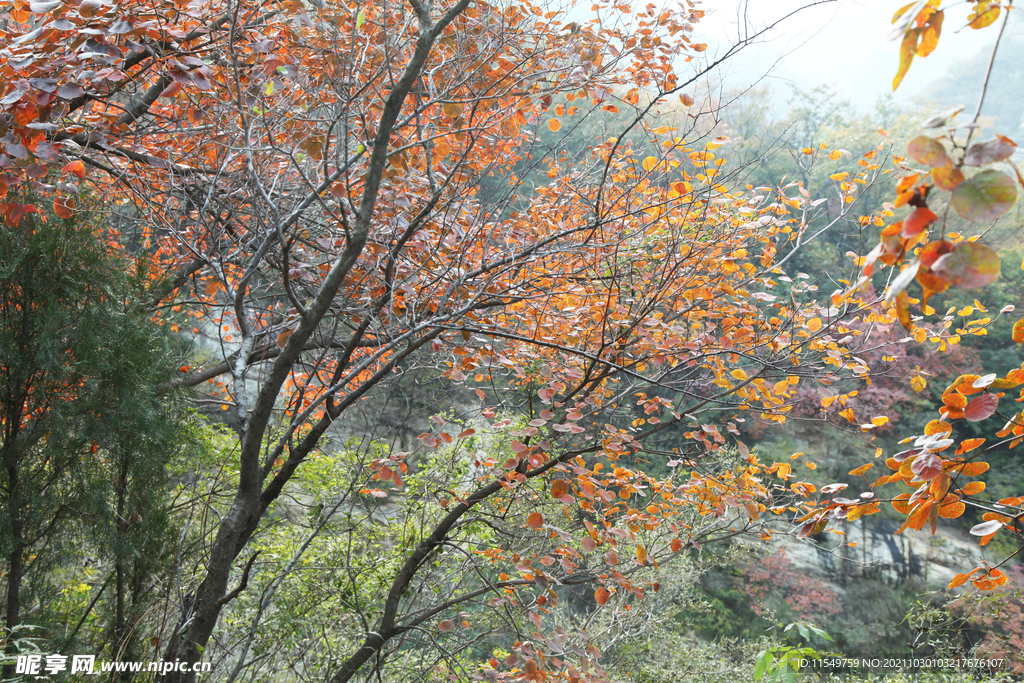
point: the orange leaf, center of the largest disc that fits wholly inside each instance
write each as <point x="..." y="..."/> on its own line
<point x="601" y="595"/>
<point x="76" y="167"/>
<point x="959" y="580"/>
<point x="952" y="510"/>
<point x="969" y="445"/>
<point x="903" y="311"/>
<point x="955" y="400"/>
<point x="535" y="520"/>
<point x="64" y="206"/>
<point x="641" y="554"/>
<point x="919" y="517"/>
<point x="554" y="125"/>
<point x="947" y="177"/>
<point x="973" y="469"/>
<point x="899" y="503"/>
<point x="861" y="470"/>
<point x="559" y="488"/>
<point x="973" y="487"/>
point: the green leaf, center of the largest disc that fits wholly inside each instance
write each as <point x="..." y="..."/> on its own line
<point x="764" y="660"/>
<point x="819" y="632"/>
<point x="929" y="151"/>
<point x="360" y="18"/>
<point x="984" y="197"/>
<point x="803" y="631"/>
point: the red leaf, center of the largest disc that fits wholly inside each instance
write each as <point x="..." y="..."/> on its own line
<point x="171" y="90"/>
<point x="535" y="520"/>
<point x="990" y="151"/>
<point x="14" y="214"/>
<point x="919" y="219"/>
<point x="933" y="250"/>
<point x="981" y="408"/>
<point x="926" y="466"/>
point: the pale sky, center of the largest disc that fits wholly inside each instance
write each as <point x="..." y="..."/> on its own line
<point x="842" y="44"/>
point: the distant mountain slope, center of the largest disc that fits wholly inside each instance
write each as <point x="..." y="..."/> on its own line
<point x="1005" y="98"/>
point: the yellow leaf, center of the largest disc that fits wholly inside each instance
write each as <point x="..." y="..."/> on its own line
<point x="650" y="163"/>
<point x="641" y="554"/>
<point x="739" y="374"/>
<point x="918" y="383"/>
<point x="814" y="324"/>
<point x="879" y="421"/>
<point x="907" y="49"/>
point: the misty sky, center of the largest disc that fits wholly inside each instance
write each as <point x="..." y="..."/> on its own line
<point x="842" y="44"/>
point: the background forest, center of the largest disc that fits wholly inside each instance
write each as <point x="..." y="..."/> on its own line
<point x="464" y="342"/>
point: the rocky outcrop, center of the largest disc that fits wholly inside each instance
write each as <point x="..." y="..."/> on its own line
<point x="880" y="554"/>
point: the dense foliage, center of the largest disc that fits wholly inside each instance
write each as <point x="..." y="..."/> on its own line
<point x="510" y="337"/>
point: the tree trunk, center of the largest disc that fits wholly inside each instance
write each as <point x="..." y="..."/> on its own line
<point x="200" y="614"/>
<point x="15" y="563"/>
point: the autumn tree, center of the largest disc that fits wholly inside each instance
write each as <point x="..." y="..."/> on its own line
<point x="304" y="179"/>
